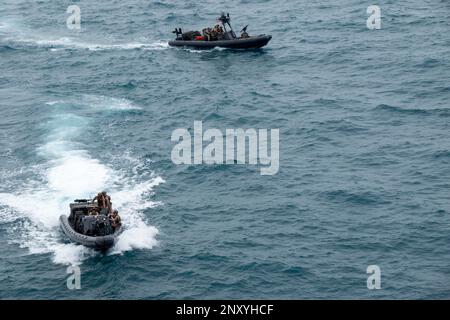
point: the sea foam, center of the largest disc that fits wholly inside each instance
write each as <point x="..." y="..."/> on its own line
<point x="71" y="172"/>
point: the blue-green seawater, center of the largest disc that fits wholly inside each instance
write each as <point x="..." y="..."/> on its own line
<point x="364" y="177"/>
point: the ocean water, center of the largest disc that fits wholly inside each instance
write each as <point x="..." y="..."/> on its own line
<point x="364" y="176"/>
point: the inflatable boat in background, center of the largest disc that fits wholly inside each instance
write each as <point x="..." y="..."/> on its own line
<point x="248" y="43"/>
<point x="225" y="39"/>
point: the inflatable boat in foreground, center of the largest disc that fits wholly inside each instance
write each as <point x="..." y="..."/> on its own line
<point x="94" y="231"/>
<point x="222" y="36"/>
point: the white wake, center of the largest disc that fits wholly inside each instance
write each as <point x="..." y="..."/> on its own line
<point x="10" y="32"/>
<point x="70" y="172"/>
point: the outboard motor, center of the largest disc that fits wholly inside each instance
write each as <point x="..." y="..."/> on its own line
<point x="178" y="33"/>
<point x="88" y="225"/>
<point x="103" y="227"/>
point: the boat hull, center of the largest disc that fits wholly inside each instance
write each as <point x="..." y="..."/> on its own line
<point x="247" y="43"/>
<point x="99" y="243"/>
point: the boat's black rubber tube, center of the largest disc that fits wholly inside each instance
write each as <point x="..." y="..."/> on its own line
<point x="248" y="43"/>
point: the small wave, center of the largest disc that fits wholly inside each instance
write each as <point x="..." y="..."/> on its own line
<point x="413" y="111"/>
<point x="131" y="84"/>
<point x="163" y="4"/>
<point x="4" y="27"/>
<point x="5" y="48"/>
<point x="96" y="102"/>
<point x="70" y="43"/>
<point x="361" y="198"/>
<point x="52" y="103"/>
<point x="442" y="154"/>
<point x="341" y="126"/>
<point x="108" y="103"/>
<point x="429" y="63"/>
<point x="218" y="49"/>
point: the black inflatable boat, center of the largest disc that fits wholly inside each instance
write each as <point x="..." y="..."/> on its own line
<point x="221" y="36"/>
<point x="93" y="231"/>
<point x="238" y="43"/>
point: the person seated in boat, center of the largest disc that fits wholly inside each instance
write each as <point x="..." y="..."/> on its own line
<point x="207" y="34"/>
<point x="93" y="211"/>
<point x="213" y="35"/>
<point x="217" y="32"/>
<point x="244" y="35"/>
<point x="116" y="222"/>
